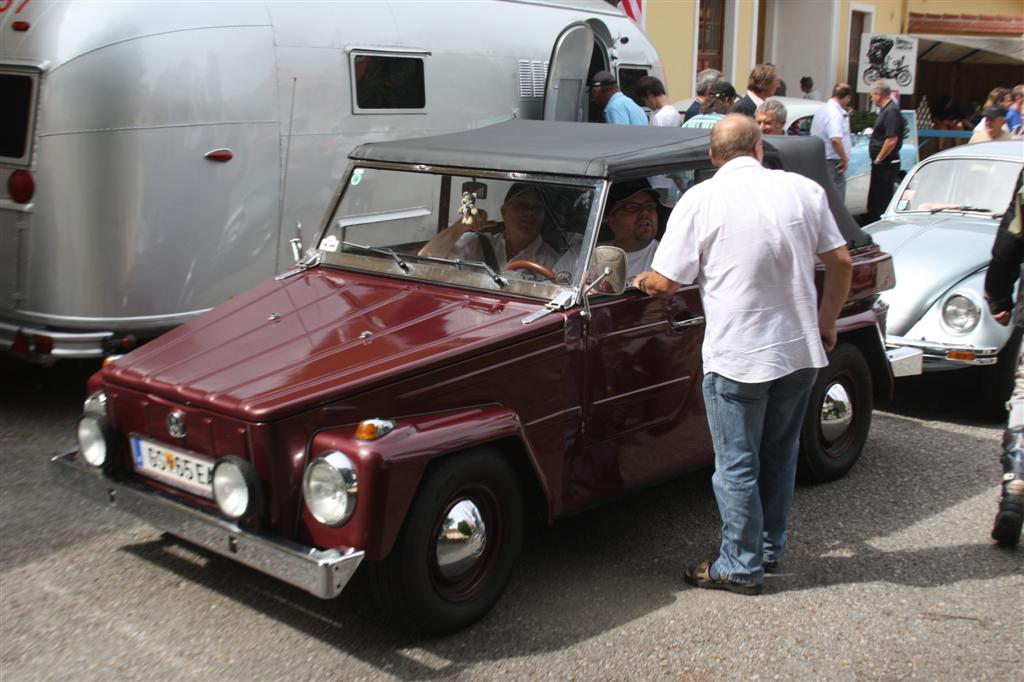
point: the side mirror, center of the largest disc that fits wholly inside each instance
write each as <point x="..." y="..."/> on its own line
<point x="607" y="273"/>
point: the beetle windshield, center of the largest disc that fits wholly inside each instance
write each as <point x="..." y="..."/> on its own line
<point x="978" y="185"/>
<point x="523" y="236"/>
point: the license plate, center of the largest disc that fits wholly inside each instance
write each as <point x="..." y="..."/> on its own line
<point x="181" y="469"/>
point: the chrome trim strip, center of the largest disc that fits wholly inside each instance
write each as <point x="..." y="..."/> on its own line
<point x="322" y="573"/>
<point x="137" y="322"/>
<point x="933" y="350"/>
<point x="905" y="362"/>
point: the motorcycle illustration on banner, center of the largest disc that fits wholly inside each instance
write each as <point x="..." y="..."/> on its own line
<point x="892" y="58"/>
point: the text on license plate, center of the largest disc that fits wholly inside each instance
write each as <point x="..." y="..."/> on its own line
<point x="182" y="470"/>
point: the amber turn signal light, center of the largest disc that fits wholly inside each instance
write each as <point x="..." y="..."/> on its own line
<point x="372" y="429"/>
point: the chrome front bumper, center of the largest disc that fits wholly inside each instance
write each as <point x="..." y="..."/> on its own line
<point x="939" y="354"/>
<point x="322" y="573"/>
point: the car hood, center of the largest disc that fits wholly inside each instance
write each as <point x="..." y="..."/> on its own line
<point x="288" y="345"/>
<point x="930" y="254"/>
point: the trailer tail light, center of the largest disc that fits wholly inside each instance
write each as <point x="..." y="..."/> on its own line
<point x="21" y="186"/>
<point x="20" y="25"/>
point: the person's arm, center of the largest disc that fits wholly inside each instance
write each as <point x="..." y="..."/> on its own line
<point x="1003" y="271"/>
<point x="838" y="271"/>
<point x="441" y="245"/>
<point x="837" y="145"/>
<point x="887" y="147"/>
<point x="655" y="284"/>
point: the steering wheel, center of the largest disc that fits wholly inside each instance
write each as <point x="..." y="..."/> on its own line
<point x="533" y="266"/>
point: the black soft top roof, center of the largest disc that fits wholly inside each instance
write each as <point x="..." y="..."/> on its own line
<point x="612" y="152"/>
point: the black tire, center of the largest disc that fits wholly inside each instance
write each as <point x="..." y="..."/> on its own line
<point x="870" y="76"/>
<point x="903" y="78"/>
<point x="827" y="454"/>
<point x="997" y="380"/>
<point x="409" y="584"/>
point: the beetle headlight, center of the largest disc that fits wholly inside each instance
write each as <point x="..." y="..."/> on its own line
<point x="329" y="488"/>
<point x="960" y="313"/>
<point x="92" y="440"/>
<point x="235" y="487"/>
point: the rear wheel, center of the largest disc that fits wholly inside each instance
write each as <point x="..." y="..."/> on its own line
<point x="458" y="547"/>
<point x="838" y="416"/>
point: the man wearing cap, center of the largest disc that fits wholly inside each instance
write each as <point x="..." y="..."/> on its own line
<point x="618" y="108"/>
<point x="995" y="126"/>
<point x="765" y="334"/>
<point x="632" y="217"/>
<point x="717" y="104"/>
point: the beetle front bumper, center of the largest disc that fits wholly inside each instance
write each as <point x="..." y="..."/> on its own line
<point x="322" y="573"/>
<point x="946" y="355"/>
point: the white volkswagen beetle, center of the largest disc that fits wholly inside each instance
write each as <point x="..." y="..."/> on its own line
<point x="939" y="229"/>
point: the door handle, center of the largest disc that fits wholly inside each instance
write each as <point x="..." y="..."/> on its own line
<point x="688" y="322"/>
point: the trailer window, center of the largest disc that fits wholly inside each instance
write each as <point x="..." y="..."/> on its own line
<point x="628" y="77"/>
<point x="386" y="83"/>
<point x="15" y="115"/>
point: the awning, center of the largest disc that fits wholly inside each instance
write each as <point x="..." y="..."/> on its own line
<point x="969" y="49"/>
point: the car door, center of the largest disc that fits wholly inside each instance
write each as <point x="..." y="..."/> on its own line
<point x="644" y="414"/>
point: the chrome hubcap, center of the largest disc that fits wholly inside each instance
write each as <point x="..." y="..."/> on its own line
<point x="836" y="413"/>
<point x="461" y="541"/>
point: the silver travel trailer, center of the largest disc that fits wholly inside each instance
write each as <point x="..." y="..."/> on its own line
<point x="158" y="157"/>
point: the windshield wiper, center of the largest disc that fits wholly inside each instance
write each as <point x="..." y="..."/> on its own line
<point x="385" y="252"/>
<point x="494" y="275"/>
<point x="976" y="209"/>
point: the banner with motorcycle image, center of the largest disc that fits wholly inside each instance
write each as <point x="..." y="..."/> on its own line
<point x="888" y="57"/>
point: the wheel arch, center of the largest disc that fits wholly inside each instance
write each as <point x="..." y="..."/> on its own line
<point x="463" y="431"/>
<point x="868" y="340"/>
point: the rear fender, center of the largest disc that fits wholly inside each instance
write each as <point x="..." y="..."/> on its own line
<point x="390" y="470"/>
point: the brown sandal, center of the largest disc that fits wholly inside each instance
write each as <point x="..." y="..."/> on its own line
<point x="700" y="576"/>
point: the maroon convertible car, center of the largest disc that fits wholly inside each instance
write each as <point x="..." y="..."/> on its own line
<point x="380" y="408"/>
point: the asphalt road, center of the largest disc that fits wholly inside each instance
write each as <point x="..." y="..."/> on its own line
<point x="890" y="575"/>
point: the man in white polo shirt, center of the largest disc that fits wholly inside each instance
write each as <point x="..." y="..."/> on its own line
<point x="750" y="238"/>
<point x="832" y="125"/>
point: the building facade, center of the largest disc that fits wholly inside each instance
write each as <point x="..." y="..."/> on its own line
<point x="821" y="39"/>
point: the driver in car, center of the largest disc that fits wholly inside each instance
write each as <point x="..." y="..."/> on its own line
<point x="516" y="238"/>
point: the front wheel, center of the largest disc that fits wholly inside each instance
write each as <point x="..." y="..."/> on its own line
<point x="903" y="78"/>
<point x="456" y="551"/>
<point x="838" y="416"/>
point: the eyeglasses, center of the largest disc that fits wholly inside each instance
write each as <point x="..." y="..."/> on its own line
<point x="633" y="208"/>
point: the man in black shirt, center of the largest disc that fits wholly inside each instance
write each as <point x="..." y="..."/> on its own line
<point x="884" y="149"/>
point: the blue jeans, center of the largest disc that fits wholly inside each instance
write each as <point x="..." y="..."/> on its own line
<point x="755" y="429"/>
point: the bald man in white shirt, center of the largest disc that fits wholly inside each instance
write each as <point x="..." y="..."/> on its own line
<point x="750" y="238"/>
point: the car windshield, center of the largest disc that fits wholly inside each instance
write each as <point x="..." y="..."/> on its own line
<point x="979" y="185"/>
<point x="522" y="236"/>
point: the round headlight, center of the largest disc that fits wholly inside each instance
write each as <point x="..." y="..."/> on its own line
<point x="329" y="488"/>
<point x="960" y="313"/>
<point x="92" y="441"/>
<point x="234" y="487"/>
